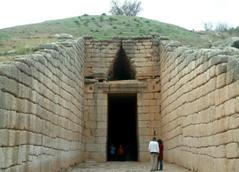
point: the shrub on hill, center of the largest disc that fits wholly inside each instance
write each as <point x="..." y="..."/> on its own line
<point x="235" y="44"/>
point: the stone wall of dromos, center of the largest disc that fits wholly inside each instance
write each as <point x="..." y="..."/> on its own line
<point x="41" y="115"/>
<point x="199" y="107"/>
<point x="143" y="54"/>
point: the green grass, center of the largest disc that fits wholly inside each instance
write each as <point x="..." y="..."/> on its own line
<point x="24" y="38"/>
<point x="4" y="36"/>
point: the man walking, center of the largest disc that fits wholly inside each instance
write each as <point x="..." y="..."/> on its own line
<point x="154" y="151"/>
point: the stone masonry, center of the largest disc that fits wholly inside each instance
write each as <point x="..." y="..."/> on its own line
<point x="54" y="104"/>
<point x="199" y="107"/>
<point x="143" y="54"/>
<point x="41" y="109"/>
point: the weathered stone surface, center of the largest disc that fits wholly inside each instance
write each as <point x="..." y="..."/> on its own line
<point x="63" y="36"/>
<point x="208" y="135"/>
<point x="100" y="57"/>
<point x="30" y="113"/>
<point x="54" y="103"/>
<point x="232" y="150"/>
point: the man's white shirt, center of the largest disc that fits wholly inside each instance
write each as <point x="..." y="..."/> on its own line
<point x="153" y="147"/>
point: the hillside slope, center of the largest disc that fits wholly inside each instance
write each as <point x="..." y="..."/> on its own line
<point x="22" y="39"/>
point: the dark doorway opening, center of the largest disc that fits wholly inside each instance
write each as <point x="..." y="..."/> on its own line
<point x="122" y="126"/>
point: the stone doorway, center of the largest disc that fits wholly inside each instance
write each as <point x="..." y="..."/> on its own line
<point x="122" y="124"/>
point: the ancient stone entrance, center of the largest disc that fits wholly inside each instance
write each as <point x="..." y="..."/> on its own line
<point x="116" y="72"/>
<point x="122" y="124"/>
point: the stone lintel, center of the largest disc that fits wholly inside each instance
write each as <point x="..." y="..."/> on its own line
<point x="123" y="86"/>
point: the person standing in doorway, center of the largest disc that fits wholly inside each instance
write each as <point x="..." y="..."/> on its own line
<point x="112" y="152"/>
<point x="120" y="153"/>
<point x="154" y="151"/>
<point x="160" y="157"/>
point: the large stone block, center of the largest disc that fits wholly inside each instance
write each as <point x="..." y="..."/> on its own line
<point x="220" y="111"/>
<point x="11" y="155"/>
<point x="223" y="94"/>
<point x="233" y="89"/>
<point x="220" y="164"/>
<point x="8" y="85"/>
<point x="102" y="132"/>
<point x="101" y="140"/>
<point x="232" y="75"/>
<point x="221" y="80"/>
<point x="96" y="147"/>
<point x="237" y="104"/>
<point x="101" y="125"/>
<point x="221" y="68"/>
<point x="220" y="151"/>
<point x="98" y="156"/>
<point x="8" y="101"/>
<point x="232" y="165"/>
<point x="4" y="135"/>
<point x="234" y="121"/>
<point x="218" y="59"/>
<point x="230" y="107"/>
<point x="232" y="150"/>
<point x="4" y="118"/>
<point x="144" y="156"/>
<point x="2" y="157"/>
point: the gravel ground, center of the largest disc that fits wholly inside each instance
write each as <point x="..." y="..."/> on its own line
<point x="123" y="167"/>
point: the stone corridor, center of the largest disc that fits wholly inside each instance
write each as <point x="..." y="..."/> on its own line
<point x="56" y="106"/>
<point x="123" y="167"/>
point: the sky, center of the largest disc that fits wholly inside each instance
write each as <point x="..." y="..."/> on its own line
<point x="190" y="14"/>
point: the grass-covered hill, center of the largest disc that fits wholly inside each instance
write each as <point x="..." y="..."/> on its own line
<point x="23" y="39"/>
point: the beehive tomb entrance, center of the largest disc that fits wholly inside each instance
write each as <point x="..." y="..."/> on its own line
<point x="122" y="125"/>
